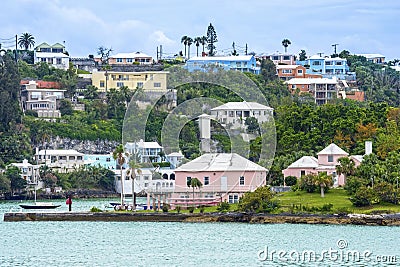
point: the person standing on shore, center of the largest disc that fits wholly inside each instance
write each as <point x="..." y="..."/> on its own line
<point x="69" y="202"/>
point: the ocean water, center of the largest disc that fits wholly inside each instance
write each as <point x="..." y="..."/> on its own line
<point x="192" y="244"/>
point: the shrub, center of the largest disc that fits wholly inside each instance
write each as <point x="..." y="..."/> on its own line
<point x="95" y="209"/>
<point x="202" y="209"/>
<point x="257" y="201"/>
<point x="326" y="207"/>
<point x="364" y="196"/>
<point x="178" y="209"/>
<point x="307" y="183"/>
<point x="223" y="206"/>
<point x="165" y="207"/>
<point x="291" y="180"/>
<point x="191" y="209"/>
<point x="342" y="211"/>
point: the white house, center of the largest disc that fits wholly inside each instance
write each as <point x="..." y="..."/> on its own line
<point x="28" y="171"/>
<point x="146" y="151"/>
<point x="64" y="160"/>
<point x="54" y="55"/>
<point x="235" y="113"/>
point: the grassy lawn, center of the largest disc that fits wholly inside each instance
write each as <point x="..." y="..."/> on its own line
<point x="337" y="197"/>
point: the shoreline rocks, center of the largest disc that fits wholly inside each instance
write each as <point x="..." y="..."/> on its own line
<point x="233" y="217"/>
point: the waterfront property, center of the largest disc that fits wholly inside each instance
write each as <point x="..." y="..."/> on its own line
<point x="239" y="63"/>
<point x="146" y="151"/>
<point x="100" y="160"/>
<point x="326" y="162"/>
<point x="63" y="160"/>
<point x="54" y="55"/>
<point x="149" y="81"/>
<point x="236" y="113"/>
<point x="28" y="172"/>
<point x="224" y="177"/>
<point x="41" y="100"/>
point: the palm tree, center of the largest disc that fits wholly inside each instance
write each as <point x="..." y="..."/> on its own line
<point x="119" y="156"/>
<point x="134" y="168"/>
<point x="197" y="42"/>
<point x="323" y="180"/>
<point x="189" y="43"/>
<point x="203" y="41"/>
<point x="346" y="167"/>
<point x="184" y="41"/>
<point x="195" y="183"/>
<point x="26" y="40"/>
<point x="286" y="43"/>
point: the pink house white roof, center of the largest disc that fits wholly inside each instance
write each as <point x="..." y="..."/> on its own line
<point x="220" y="162"/>
<point x="305" y="162"/>
<point x="332" y="149"/>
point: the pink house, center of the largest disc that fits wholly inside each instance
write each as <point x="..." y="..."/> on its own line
<point x="225" y="177"/>
<point x="326" y="162"/>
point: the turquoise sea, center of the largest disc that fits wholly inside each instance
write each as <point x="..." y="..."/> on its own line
<point x="191" y="244"/>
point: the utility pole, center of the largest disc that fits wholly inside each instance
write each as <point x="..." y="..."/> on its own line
<point x="157" y="53"/>
<point x="320" y="54"/>
<point x="160" y="52"/>
<point x="335" y="45"/>
<point x="246" y="50"/>
<point x="16" y="48"/>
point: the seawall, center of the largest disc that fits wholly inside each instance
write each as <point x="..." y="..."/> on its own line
<point x="383" y="220"/>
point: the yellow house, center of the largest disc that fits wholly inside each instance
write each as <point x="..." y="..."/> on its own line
<point x="155" y="81"/>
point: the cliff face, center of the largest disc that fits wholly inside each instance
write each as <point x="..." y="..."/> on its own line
<point x="83" y="146"/>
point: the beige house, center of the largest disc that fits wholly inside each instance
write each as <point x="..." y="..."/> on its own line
<point x="151" y="81"/>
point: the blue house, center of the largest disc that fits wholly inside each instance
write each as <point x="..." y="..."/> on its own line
<point x="104" y="160"/>
<point x="326" y="66"/>
<point x="240" y="63"/>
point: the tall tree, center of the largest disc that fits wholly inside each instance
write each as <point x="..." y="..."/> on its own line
<point x="104" y="54"/>
<point x="197" y="42"/>
<point x="195" y="183"/>
<point x="286" y="43"/>
<point x="302" y="55"/>
<point x="189" y="43"/>
<point x="346" y="167"/>
<point x="119" y="156"/>
<point x="10" y="111"/>
<point x="184" y="41"/>
<point x="26" y="40"/>
<point x="211" y="40"/>
<point x="134" y="167"/>
<point x="203" y="41"/>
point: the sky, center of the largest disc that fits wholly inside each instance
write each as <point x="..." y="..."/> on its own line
<point x="359" y="26"/>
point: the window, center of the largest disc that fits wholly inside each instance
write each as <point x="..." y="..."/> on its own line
<point x="338" y="63"/>
<point x="238" y="113"/>
<point x="275" y="58"/>
<point x="146" y="185"/>
<point x="231" y="114"/>
<point x="316" y="63"/>
<point x="233" y="198"/>
<point x="299" y="71"/>
<point x="206" y="180"/>
<point x="157" y="84"/>
<point x="58" y="60"/>
<point x="188" y="179"/>
<point x="120" y="84"/>
<point x="79" y="158"/>
<point x="101" y="83"/>
<point x="108" y="159"/>
<point x="286" y="71"/>
<point x="286" y="57"/>
<point x="328" y="63"/>
<point x="302" y="172"/>
<point x="330" y="158"/>
<point x="139" y="85"/>
<point x="146" y="177"/>
<point x="129" y="60"/>
<point x="241" y="180"/>
<point x="119" y="60"/>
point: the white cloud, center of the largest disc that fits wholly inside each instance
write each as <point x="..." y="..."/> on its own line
<point x="161" y="38"/>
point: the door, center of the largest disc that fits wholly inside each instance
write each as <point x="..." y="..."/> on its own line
<point x="224" y="183"/>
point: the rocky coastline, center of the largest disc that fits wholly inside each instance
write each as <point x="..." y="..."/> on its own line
<point x="232" y="217"/>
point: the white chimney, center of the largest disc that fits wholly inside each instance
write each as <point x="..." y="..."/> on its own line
<point x="205" y="133"/>
<point x="368" y="147"/>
